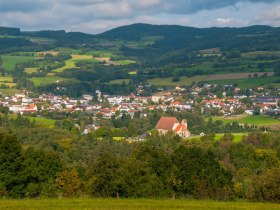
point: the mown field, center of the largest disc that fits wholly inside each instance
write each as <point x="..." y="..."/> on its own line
<point x="131" y="204"/>
<point x="9" y="61"/>
<point x="258" y="120"/>
<point x="41" y="81"/>
<point x="248" y="83"/>
<point x="71" y="63"/>
<point x="237" y="137"/>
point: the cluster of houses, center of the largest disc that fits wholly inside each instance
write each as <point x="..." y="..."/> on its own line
<point x="107" y="106"/>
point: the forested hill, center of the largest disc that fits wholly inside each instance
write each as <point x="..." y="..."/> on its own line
<point x="162" y="37"/>
<point x="175" y="37"/>
<point x="139" y="30"/>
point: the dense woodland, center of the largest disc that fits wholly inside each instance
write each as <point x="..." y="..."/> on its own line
<point x="68" y="165"/>
<point x="39" y="162"/>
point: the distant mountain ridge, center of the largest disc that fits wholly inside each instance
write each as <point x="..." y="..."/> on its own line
<point x="172" y="37"/>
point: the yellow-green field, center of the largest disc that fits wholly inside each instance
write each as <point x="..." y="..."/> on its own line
<point x="6" y="79"/>
<point x="131" y="204"/>
<point x="31" y="70"/>
<point x="9" y="91"/>
<point x="237" y="137"/>
<point x="71" y="63"/>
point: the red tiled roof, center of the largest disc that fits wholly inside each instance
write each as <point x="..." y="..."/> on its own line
<point x="166" y="123"/>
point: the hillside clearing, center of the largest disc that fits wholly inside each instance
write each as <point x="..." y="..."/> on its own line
<point x="41" y="81"/>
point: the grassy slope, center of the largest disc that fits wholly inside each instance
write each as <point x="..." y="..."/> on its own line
<point x="71" y="63"/>
<point x="11" y="61"/>
<point x="254" y="120"/>
<point x="250" y="82"/>
<point x="127" y="204"/>
<point x="40" y="81"/>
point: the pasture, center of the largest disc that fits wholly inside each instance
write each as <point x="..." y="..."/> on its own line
<point x="237" y="137"/>
<point x="41" y="81"/>
<point x="71" y="63"/>
<point x="43" y="122"/>
<point x="6" y="79"/>
<point x="10" y="61"/>
<point x="31" y="70"/>
<point x="258" y="120"/>
<point x="249" y="82"/>
<point x="124" y="62"/>
<point x="131" y="204"/>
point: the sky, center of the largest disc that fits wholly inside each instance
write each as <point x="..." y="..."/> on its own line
<point x="96" y="16"/>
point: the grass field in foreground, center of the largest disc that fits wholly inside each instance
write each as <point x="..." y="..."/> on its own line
<point x="131" y="204"/>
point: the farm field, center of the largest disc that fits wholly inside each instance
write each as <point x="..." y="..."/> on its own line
<point x="183" y="81"/>
<point x="30" y="70"/>
<point x="43" y="122"/>
<point x="254" y="54"/>
<point x="237" y="136"/>
<point x="218" y="136"/>
<point x="71" y="63"/>
<point x="41" y="81"/>
<point x="6" y="79"/>
<point x="9" y="91"/>
<point x="10" y="61"/>
<point x="259" y="120"/>
<point x="131" y="204"/>
<point x="248" y="83"/>
<point x="124" y="62"/>
<point x="237" y="75"/>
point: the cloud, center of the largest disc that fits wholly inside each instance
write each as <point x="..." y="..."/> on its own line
<point x="99" y="15"/>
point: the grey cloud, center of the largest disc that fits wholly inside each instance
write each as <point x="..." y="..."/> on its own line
<point x="92" y="15"/>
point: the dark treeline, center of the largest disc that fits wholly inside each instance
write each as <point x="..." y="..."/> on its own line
<point x="65" y="164"/>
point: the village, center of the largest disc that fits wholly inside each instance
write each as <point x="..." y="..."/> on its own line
<point x="99" y="105"/>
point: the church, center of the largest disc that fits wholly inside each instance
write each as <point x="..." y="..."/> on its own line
<point x="166" y="124"/>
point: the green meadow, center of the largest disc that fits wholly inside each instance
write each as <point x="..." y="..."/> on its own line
<point x="10" y="61"/>
<point x="71" y="63"/>
<point x="248" y="83"/>
<point x="41" y="81"/>
<point x="258" y="120"/>
<point x="237" y="137"/>
<point x="131" y="204"/>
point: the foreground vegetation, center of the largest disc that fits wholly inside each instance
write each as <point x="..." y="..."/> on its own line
<point x="130" y="204"/>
